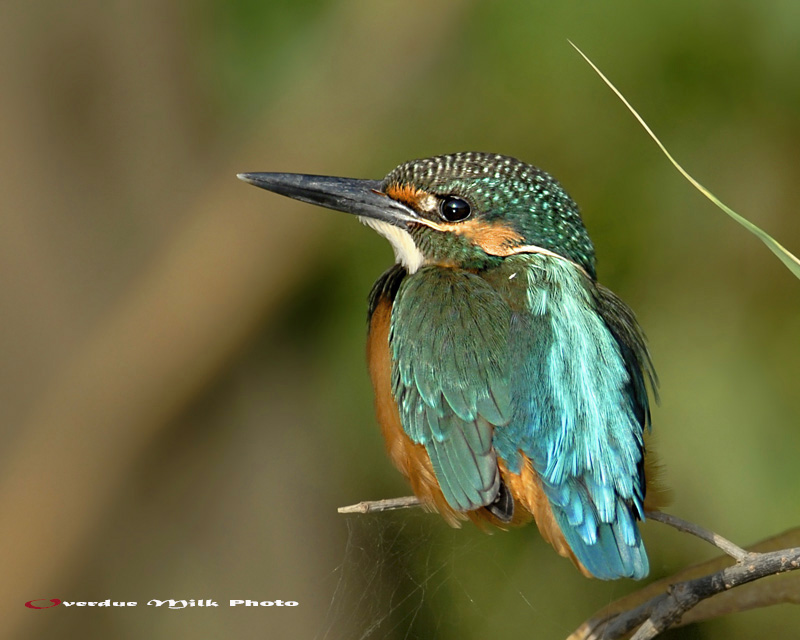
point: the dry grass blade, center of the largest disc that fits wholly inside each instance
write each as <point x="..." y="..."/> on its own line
<point x="787" y="257"/>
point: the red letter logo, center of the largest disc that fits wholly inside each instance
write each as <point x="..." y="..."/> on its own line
<point x="55" y="602"/>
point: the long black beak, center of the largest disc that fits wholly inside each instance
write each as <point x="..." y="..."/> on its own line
<point x="360" y="197"/>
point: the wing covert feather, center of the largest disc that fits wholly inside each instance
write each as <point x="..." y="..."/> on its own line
<point x="450" y="377"/>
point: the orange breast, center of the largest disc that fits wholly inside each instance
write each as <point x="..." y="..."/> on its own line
<point x="411" y="459"/>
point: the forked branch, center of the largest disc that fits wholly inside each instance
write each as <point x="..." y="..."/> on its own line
<point x="669" y="602"/>
<point x="667" y="609"/>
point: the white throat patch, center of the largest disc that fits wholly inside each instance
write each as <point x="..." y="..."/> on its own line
<point x="405" y="251"/>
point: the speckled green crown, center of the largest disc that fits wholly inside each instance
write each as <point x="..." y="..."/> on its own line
<point x="502" y="187"/>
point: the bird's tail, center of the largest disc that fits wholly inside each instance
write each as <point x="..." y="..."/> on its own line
<point x="615" y="550"/>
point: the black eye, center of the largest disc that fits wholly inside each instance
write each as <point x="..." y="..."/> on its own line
<point x="454" y="209"/>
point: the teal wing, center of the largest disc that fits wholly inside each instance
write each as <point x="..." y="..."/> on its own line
<point x="449" y="345"/>
<point x="579" y="409"/>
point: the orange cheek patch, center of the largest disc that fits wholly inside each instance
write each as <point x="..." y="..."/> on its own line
<point x="406" y="194"/>
<point x="494" y="239"/>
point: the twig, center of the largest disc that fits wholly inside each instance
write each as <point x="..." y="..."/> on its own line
<point x="733" y="550"/>
<point x="665" y="609"/>
<point x="376" y="506"/>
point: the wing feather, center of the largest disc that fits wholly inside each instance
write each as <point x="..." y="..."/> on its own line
<point x="579" y="409"/>
<point x="450" y="377"/>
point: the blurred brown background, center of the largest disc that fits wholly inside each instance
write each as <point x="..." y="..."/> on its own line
<point x="184" y="394"/>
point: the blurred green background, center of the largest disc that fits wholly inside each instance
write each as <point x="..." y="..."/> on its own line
<point x="184" y="392"/>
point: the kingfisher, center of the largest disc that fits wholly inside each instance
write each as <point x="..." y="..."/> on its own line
<point x="510" y="385"/>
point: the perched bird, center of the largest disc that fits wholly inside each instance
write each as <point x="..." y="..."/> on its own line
<point x="510" y="385"/>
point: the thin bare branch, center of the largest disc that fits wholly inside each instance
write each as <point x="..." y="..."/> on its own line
<point x="666" y="608"/>
<point x="376" y="506"/>
<point x="733" y="550"/>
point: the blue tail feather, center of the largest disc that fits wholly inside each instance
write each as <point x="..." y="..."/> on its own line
<point x="610" y="556"/>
